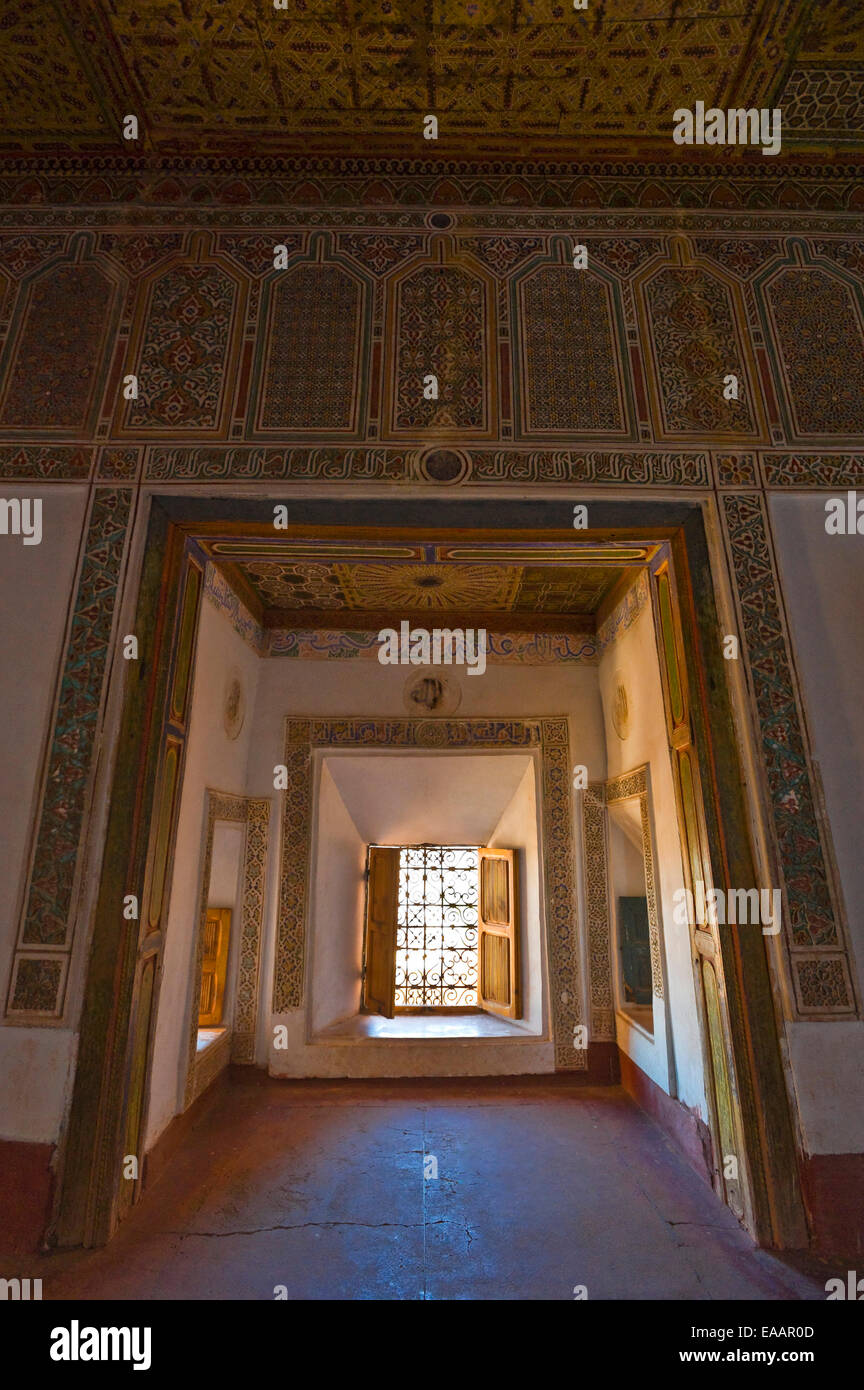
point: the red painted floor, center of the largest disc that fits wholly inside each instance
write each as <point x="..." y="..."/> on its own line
<point x="320" y="1187"/>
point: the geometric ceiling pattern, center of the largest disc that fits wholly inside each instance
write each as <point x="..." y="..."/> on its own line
<point x="351" y="76"/>
<point x="429" y="587"/>
<point x="283" y="580"/>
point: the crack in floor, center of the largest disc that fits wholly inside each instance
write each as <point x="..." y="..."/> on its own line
<point x="705" y="1225"/>
<point x="621" y="1157"/>
<point x="305" y="1225"/>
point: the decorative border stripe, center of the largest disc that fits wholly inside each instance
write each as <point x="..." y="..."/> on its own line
<point x="294" y="186"/>
<point x="812" y="471"/>
<point x="49" y="901"/>
<point x="65" y="463"/>
<point x="55" y="464"/>
<point x="251" y="928"/>
<point x="598" y="924"/>
<point x="813" y="918"/>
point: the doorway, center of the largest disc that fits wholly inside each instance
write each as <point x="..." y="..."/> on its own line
<point x="670" y="547"/>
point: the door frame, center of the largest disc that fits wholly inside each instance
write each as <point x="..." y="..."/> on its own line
<point x="89" y="1204"/>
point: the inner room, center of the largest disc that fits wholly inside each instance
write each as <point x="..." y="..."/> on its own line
<point x="362" y="764"/>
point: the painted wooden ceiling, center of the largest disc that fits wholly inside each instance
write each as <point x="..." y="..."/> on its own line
<point x="309" y="583"/>
<point x="505" y="77"/>
<point x="430" y="587"/>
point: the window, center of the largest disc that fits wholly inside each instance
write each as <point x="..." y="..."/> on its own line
<point x="627" y="847"/>
<point x="441" y="930"/>
<point x="436" y="927"/>
<point x="634" y="943"/>
<point x="218" y="964"/>
<point x="214" y="966"/>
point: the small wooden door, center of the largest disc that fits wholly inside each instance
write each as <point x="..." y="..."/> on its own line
<point x="382" y="906"/>
<point x="214" y="966"/>
<point x="498" y="981"/>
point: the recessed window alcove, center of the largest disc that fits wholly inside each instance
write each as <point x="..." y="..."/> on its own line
<point x="398" y="798"/>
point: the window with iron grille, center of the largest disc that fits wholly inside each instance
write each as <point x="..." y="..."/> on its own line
<point x="437" y="927"/>
<point x="442" y="930"/>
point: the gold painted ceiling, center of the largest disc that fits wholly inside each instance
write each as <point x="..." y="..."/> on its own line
<point x="505" y="79"/>
<point x="289" y="583"/>
<point x="421" y="585"/>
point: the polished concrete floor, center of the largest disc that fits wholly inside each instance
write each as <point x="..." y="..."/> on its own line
<point x="319" y="1187"/>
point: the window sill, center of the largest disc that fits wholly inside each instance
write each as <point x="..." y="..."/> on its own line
<point x="207" y="1037"/>
<point x="640" y="1017"/>
<point x="425" y="1028"/>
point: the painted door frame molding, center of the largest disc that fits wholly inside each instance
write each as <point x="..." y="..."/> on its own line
<point x="121" y="990"/>
<point x="93" y="1143"/>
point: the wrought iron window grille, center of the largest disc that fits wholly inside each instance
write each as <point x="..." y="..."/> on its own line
<point x="437" y="928"/>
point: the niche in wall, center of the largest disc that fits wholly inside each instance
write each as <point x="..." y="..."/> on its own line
<point x="642" y="1029"/>
<point x="215" y="1005"/>
<point x="633" y="989"/>
<point x="232" y="881"/>
<point x="403" y="798"/>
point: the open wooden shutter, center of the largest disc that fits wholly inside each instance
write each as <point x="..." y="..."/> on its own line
<point x="498" y="985"/>
<point x="214" y="966"/>
<point x="382" y="903"/>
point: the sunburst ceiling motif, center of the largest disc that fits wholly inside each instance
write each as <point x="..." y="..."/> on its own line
<point x="427" y="586"/>
<point x="242" y="76"/>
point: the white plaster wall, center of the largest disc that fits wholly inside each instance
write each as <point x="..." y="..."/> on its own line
<point x="823" y="581"/>
<point x="627" y="869"/>
<point x="438" y="798"/>
<point x="826" y="1064"/>
<point x="336" y="907"/>
<point x="672" y="1062"/>
<point x="215" y="762"/>
<point x="37" y="1069"/>
<point x="520" y="829"/>
<point x="362" y="687"/>
<point x="229" y="838"/>
<point x="36" y="584"/>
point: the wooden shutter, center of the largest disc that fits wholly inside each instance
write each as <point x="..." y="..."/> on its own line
<point x="382" y="902"/>
<point x="498" y="984"/>
<point x="214" y="966"/>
